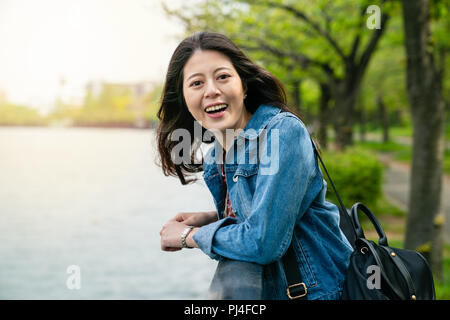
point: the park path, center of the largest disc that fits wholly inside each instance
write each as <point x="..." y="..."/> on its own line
<point x="396" y="189"/>
<point x="397" y="178"/>
<point x="399" y="139"/>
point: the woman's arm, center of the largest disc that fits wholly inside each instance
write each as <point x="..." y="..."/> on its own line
<point x="190" y="238"/>
<point x="266" y="233"/>
<point x="172" y="230"/>
<point x="171" y="236"/>
<point x="196" y="219"/>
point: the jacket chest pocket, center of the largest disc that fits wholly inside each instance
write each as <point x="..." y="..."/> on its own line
<point x="244" y="186"/>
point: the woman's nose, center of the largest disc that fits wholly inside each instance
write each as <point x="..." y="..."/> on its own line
<point x="211" y="89"/>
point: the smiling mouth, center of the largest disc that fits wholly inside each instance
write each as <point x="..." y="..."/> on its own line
<point x="216" y="109"/>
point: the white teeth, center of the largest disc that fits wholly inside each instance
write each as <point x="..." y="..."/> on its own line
<point x="217" y="107"/>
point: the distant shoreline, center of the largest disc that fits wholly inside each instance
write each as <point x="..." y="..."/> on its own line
<point x="102" y="126"/>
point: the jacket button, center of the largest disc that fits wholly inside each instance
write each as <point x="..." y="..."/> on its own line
<point x="235" y="178"/>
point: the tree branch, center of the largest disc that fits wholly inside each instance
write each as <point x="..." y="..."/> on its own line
<point x="302" y="16"/>
<point x="356" y="41"/>
<point x="300" y="58"/>
<point x="371" y="46"/>
<point x="186" y="21"/>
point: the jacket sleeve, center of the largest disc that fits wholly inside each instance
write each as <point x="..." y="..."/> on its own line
<point x="266" y="233"/>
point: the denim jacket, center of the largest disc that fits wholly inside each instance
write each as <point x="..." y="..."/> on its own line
<point x="277" y="193"/>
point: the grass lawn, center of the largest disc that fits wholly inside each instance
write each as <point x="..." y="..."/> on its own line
<point x="399" y="152"/>
<point x="408" y="131"/>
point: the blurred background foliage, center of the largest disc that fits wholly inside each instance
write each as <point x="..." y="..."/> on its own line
<point x="110" y="105"/>
<point x="358" y="173"/>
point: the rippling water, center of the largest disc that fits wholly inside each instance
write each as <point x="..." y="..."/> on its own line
<point x="93" y="198"/>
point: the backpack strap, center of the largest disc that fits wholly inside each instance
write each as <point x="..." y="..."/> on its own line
<point x="345" y="223"/>
<point x="403" y="270"/>
<point x="296" y="287"/>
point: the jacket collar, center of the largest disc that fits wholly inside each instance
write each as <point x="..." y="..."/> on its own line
<point x="259" y="121"/>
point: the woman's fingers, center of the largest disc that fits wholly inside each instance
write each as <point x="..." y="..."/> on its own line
<point x="180" y="217"/>
<point x="173" y="249"/>
<point x="169" y="249"/>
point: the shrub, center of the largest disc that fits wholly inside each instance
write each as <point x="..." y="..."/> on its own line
<point x="357" y="175"/>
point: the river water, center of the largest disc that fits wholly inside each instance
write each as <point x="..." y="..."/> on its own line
<point x="93" y="199"/>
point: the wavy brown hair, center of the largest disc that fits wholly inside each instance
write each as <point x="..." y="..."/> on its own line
<point x="262" y="88"/>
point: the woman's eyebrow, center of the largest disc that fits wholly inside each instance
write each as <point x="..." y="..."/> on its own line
<point x="199" y="74"/>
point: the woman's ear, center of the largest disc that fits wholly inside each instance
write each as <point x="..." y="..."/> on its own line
<point x="245" y="88"/>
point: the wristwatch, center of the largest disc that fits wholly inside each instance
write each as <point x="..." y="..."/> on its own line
<point x="184" y="235"/>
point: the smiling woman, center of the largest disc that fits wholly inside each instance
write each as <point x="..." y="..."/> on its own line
<point x="260" y="214"/>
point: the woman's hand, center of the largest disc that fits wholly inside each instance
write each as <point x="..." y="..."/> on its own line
<point x="196" y="219"/>
<point x="171" y="236"/>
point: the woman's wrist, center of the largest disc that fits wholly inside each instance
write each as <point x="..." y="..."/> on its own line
<point x="213" y="215"/>
<point x="190" y="240"/>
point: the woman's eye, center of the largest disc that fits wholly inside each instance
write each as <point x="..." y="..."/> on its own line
<point x="223" y="76"/>
<point x="195" y="83"/>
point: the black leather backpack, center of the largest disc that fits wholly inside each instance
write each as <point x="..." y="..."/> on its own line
<point x="381" y="272"/>
<point x="376" y="271"/>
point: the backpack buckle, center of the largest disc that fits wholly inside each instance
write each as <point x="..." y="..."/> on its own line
<point x="303" y="290"/>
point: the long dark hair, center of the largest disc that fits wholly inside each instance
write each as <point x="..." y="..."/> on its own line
<point x="262" y="88"/>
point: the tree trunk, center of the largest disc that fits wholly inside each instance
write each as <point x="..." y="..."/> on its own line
<point x="362" y="124"/>
<point x="296" y="95"/>
<point x="325" y="97"/>
<point x="424" y="230"/>
<point x="384" y="118"/>
<point x="344" y="94"/>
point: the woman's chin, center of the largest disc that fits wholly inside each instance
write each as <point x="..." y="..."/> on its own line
<point x="217" y="128"/>
<point x="217" y="125"/>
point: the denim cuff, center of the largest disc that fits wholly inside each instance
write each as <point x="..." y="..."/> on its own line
<point x="204" y="236"/>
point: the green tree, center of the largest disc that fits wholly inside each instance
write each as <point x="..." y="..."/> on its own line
<point x="382" y="99"/>
<point x="111" y="106"/>
<point x="327" y="39"/>
<point x="424" y="230"/>
<point x="12" y="114"/>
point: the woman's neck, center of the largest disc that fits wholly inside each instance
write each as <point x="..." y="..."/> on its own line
<point x="226" y="138"/>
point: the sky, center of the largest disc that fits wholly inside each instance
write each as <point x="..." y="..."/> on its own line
<point x="53" y="48"/>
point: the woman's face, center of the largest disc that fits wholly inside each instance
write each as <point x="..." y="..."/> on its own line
<point x="213" y="91"/>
